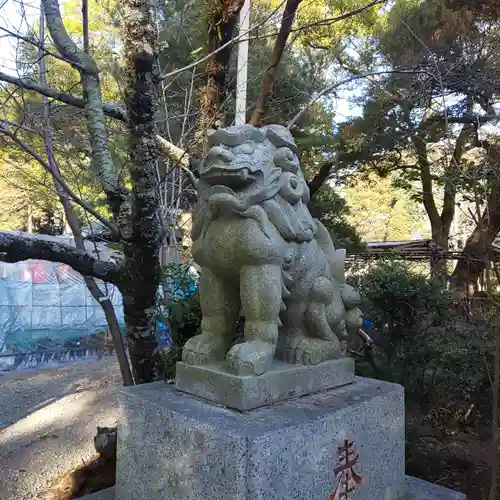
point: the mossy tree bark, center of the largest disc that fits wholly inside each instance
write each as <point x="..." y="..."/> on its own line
<point x="142" y="267"/>
<point x="222" y="16"/>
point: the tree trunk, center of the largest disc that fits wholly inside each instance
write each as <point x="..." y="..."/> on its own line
<point x="440" y="222"/>
<point x="213" y="95"/>
<point x="475" y="253"/>
<point x="440" y="229"/>
<point x="317" y="182"/>
<point x="438" y="265"/>
<point x="287" y="20"/>
<point x="142" y="268"/>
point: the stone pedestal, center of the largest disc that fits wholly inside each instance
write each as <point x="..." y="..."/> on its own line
<point x="282" y="382"/>
<point x="176" y="446"/>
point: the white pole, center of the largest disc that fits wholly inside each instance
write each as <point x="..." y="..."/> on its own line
<point x="242" y="66"/>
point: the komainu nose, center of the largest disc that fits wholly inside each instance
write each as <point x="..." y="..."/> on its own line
<point x="218" y="154"/>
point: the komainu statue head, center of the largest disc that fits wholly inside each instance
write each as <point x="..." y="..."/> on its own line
<point x="248" y="167"/>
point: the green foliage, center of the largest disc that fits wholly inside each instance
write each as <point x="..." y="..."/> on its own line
<point x="423" y="343"/>
<point x="184" y="39"/>
<point x="322" y="34"/>
<point x="449" y="56"/>
<point x="179" y="309"/>
<point x="181" y="303"/>
<point x="382" y="211"/>
<point x="401" y="299"/>
<point x="333" y="211"/>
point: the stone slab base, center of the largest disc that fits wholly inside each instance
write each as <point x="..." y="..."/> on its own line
<point x="283" y="382"/>
<point x="177" y="446"/>
<point x="107" y="494"/>
<point x="415" y="489"/>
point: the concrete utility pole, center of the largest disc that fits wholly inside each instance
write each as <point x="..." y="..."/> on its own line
<point x="242" y="66"/>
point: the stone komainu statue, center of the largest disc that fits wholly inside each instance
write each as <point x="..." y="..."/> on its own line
<point x="261" y="251"/>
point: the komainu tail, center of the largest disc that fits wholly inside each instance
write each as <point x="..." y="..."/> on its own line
<point x="336" y="258"/>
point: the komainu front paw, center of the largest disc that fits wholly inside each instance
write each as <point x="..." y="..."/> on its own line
<point x="307" y="351"/>
<point x="203" y="349"/>
<point x="250" y="358"/>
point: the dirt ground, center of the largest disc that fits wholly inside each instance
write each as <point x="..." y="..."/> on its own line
<point x="458" y="460"/>
<point x="48" y="420"/>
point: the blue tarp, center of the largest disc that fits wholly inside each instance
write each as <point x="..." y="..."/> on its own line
<point x="48" y="315"/>
<point x="47" y="306"/>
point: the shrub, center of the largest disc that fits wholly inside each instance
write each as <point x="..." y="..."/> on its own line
<point x="179" y="311"/>
<point x="423" y="343"/>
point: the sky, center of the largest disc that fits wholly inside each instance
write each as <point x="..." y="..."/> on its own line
<point x="13" y="16"/>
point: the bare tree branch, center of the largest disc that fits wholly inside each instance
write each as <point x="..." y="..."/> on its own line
<point x="18" y="247"/>
<point x="17" y="126"/>
<point x="113" y="110"/>
<point x="335" y="86"/>
<point x="177" y="156"/>
<point x="28" y="149"/>
<point x="94" y="113"/>
<point x="279" y="46"/>
<point x="33" y="42"/>
<point x="71" y="218"/>
<point x="222" y="47"/>
<point x="63" y="42"/>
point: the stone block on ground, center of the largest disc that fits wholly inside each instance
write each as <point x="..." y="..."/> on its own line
<point x="174" y="445"/>
<point x="284" y="381"/>
<point x="417" y="489"/>
<point x="107" y="494"/>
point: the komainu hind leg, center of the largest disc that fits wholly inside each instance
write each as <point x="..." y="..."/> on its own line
<point x="309" y="351"/>
<point x="323" y="326"/>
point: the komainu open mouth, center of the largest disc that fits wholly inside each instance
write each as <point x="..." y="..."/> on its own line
<point x="233" y="178"/>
